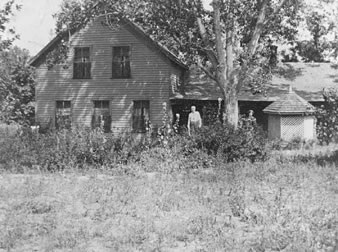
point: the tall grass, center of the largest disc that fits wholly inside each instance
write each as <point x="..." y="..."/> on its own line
<point x="82" y="148"/>
<point x="115" y="194"/>
<point x="241" y="206"/>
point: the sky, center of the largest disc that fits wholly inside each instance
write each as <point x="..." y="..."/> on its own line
<point x="35" y="24"/>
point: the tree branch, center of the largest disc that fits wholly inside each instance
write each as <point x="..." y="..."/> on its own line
<point x="277" y="10"/>
<point x="229" y="44"/>
<point x="218" y="33"/>
<point x="280" y="6"/>
<point x="258" y="29"/>
<point x="208" y="49"/>
<point x="207" y="71"/>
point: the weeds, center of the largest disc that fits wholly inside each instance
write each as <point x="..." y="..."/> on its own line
<point x="173" y="195"/>
<point x="242" y="206"/>
<point x="82" y="148"/>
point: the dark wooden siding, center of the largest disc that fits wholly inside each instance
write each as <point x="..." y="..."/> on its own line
<point x="150" y="71"/>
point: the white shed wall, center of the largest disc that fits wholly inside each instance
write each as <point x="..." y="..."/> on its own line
<point x="274" y="127"/>
<point x="309" y="128"/>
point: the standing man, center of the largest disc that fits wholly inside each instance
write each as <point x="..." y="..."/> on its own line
<point x="251" y="119"/>
<point x="194" y="120"/>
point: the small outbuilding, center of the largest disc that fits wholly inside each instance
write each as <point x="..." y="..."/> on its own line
<point x="291" y="117"/>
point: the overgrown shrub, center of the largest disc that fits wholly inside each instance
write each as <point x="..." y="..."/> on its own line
<point x="69" y="148"/>
<point x="229" y="144"/>
<point x="179" y="152"/>
<point x="327" y="118"/>
<point x="81" y="148"/>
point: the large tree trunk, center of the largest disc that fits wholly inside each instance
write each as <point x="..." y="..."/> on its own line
<point x="231" y="110"/>
<point x="230" y="115"/>
<point x="224" y="75"/>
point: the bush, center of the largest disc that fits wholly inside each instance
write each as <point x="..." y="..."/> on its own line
<point x="327" y="118"/>
<point x="76" y="148"/>
<point x="82" y="148"/>
<point x="229" y="144"/>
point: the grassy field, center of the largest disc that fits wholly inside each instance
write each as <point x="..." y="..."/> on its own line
<point x="270" y="206"/>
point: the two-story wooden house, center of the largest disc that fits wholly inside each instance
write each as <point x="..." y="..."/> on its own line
<point x="118" y="77"/>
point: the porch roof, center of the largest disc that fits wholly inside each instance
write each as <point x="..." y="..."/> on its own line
<point x="307" y="79"/>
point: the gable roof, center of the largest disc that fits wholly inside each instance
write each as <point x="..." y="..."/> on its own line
<point x="47" y="48"/>
<point x="137" y="29"/>
<point x="289" y="104"/>
<point x="307" y="79"/>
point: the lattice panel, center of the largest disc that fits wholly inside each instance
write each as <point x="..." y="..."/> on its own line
<point x="292" y="127"/>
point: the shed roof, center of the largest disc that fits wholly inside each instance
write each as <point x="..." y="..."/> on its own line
<point x="307" y="79"/>
<point x="289" y="104"/>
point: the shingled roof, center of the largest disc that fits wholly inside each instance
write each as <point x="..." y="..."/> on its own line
<point x="307" y="79"/>
<point x="289" y="104"/>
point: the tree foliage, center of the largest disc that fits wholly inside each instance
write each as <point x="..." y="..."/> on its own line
<point x="17" y="87"/>
<point x="6" y="12"/>
<point x="16" y="77"/>
<point x="317" y="39"/>
<point x="327" y="115"/>
<point x="318" y="25"/>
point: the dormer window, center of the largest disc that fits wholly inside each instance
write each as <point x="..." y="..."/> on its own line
<point x="121" y="62"/>
<point x="82" y="64"/>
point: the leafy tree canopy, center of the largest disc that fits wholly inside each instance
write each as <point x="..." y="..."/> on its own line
<point x="6" y="12"/>
<point x="17" y="87"/>
<point x="16" y="77"/>
<point x="317" y="40"/>
<point x="174" y="22"/>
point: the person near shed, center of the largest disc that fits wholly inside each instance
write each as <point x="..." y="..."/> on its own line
<point x="194" y="120"/>
<point x="251" y="119"/>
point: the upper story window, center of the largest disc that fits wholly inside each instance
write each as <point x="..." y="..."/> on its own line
<point x="101" y="116"/>
<point x="82" y="64"/>
<point x="63" y="115"/>
<point x="121" y="62"/>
